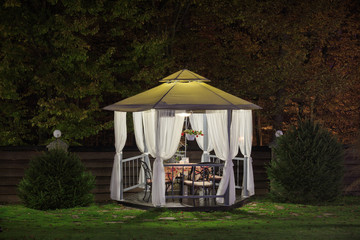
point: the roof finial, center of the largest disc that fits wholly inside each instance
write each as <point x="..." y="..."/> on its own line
<point x="184" y="75"/>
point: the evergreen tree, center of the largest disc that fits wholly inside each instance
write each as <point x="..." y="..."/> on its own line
<point x="308" y="166"/>
<point x="56" y="179"/>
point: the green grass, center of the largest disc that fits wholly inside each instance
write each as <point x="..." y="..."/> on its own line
<point x="260" y="219"/>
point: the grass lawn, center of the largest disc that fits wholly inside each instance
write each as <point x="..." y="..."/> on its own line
<point x="260" y="219"/>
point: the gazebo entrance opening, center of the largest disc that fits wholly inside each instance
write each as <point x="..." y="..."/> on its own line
<point x="158" y="116"/>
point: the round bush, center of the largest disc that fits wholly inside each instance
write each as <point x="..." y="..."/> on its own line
<point x="308" y="166"/>
<point x="56" y="179"/>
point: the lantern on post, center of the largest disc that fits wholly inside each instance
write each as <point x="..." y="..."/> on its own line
<point x="58" y="143"/>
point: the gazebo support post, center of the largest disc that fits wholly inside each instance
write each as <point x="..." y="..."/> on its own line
<point x="157" y="142"/>
<point x="229" y="117"/>
<point x="245" y="191"/>
<point x="121" y="176"/>
<point x="205" y="155"/>
<point x="147" y="160"/>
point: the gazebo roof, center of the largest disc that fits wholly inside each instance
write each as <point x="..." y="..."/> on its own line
<point x="183" y="90"/>
<point x="184" y="76"/>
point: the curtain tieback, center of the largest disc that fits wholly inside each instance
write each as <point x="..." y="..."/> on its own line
<point x="229" y="163"/>
<point x="248" y="156"/>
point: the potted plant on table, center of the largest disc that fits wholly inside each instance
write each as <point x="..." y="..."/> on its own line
<point x="191" y="134"/>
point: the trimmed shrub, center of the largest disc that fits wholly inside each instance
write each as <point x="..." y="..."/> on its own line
<point x="308" y="166"/>
<point x="56" y="179"/>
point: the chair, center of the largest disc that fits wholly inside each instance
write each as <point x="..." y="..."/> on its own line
<point x="199" y="179"/>
<point x="217" y="176"/>
<point x="148" y="179"/>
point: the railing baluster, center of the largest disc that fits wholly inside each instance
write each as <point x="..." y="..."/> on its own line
<point x="237" y="173"/>
<point x="172" y="181"/>
<point x="137" y="170"/>
<point x="213" y="178"/>
<point x="129" y="173"/>
<point x="124" y="176"/>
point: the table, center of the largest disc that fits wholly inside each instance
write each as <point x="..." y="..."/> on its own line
<point x="181" y="171"/>
<point x="174" y="170"/>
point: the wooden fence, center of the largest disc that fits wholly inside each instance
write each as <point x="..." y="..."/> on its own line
<point x="13" y="165"/>
<point x="352" y="171"/>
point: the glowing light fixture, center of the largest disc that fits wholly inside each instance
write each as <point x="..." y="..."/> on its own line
<point x="279" y="133"/>
<point x="57" y="133"/>
<point x="184" y="114"/>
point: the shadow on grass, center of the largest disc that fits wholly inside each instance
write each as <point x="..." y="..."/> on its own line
<point x="340" y="201"/>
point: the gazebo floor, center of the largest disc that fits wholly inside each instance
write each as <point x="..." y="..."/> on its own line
<point x="135" y="199"/>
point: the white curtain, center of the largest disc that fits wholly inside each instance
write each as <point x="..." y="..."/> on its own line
<point x="225" y="150"/>
<point x="168" y="135"/>
<point x="197" y="123"/>
<point x="150" y="125"/>
<point x="120" y="139"/>
<point x="245" y="143"/>
<point x="139" y="138"/>
<point x="138" y="130"/>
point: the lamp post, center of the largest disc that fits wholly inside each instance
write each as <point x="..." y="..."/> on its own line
<point x="273" y="144"/>
<point x="58" y="143"/>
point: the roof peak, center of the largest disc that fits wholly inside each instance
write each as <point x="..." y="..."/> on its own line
<point x="184" y="75"/>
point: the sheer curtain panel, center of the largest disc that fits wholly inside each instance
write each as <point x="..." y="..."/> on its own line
<point x="150" y="126"/>
<point x="120" y="139"/>
<point x="199" y="122"/>
<point x="245" y="143"/>
<point x="140" y="143"/>
<point x="225" y="148"/>
<point x="169" y="128"/>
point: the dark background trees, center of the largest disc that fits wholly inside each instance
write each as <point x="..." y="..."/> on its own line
<point x="62" y="61"/>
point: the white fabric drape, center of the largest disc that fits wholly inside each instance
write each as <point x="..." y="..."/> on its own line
<point x="245" y="143"/>
<point x="139" y="138"/>
<point x="225" y="150"/>
<point x="138" y="130"/>
<point x="197" y="123"/>
<point x="168" y="135"/>
<point x="120" y="139"/>
<point x="150" y="125"/>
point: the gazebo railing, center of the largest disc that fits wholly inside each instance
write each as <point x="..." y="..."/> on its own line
<point x="239" y="172"/>
<point x="130" y="172"/>
<point x="130" y="168"/>
<point x="238" y="169"/>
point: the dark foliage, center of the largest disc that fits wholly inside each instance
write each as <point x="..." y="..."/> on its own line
<point x="307" y="167"/>
<point x="62" y="61"/>
<point x="56" y="179"/>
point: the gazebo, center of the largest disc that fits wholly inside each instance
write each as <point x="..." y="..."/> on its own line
<point x="158" y="116"/>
